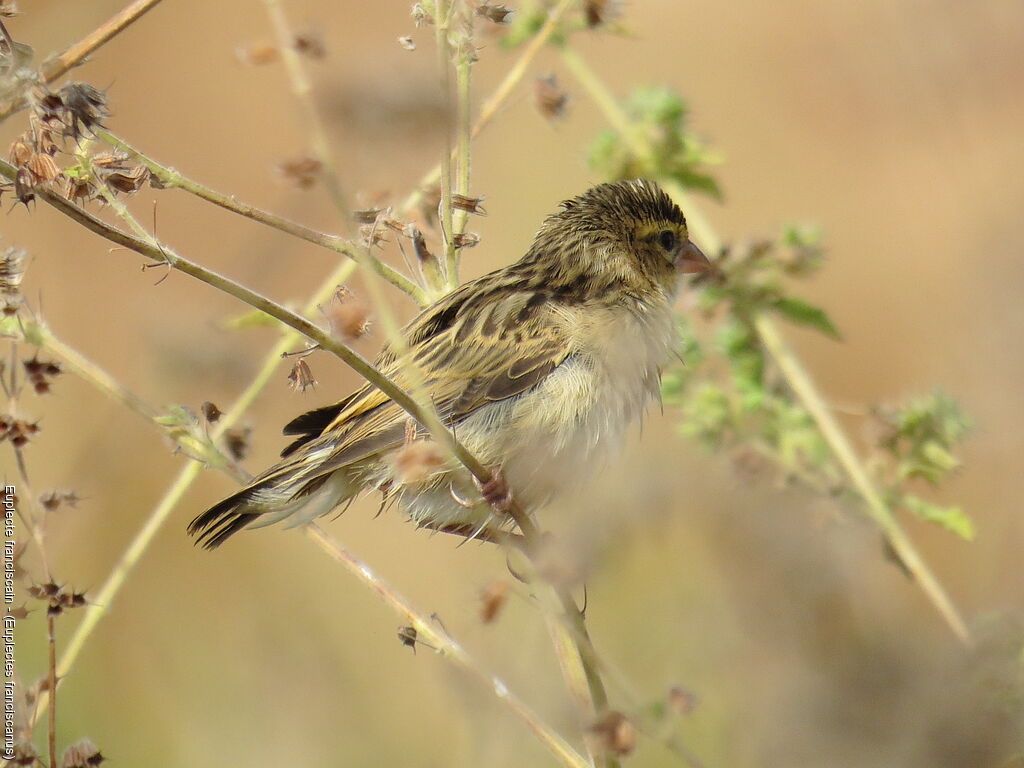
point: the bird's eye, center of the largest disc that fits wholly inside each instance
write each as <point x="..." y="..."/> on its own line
<point x="667" y="239"/>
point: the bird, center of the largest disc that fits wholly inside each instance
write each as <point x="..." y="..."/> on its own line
<point x="538" y="368"/>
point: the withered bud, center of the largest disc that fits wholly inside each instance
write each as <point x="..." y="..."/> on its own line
<point x="24" y="186"/>
<point x="86" y="107"/>
<point x="407" y="43"/>
<point x="53" y="500"/>
<point x="111" y="161"/>
<point x="682" y="701"/>
<point x="598" y="12"/>
<point x="549" y="98"/>
<point x="127" y="182"/>
<point x="309" y="43"/>
<point x="407" y="637"/>
<point x="367" y="215"/>
<point x="301" y="377"/>
<point x="468" y="204"/>
<point x="393" y="224"/>
<point x="614" y="733"/>
<point x="466" y="240"/>
<point x="8" y="8"/>
<point x="348" y="320"/>
<point x="82" y="754"/>
<point x="419" y="243"/>
<point x="420" y="16"/>
<point x="44" y="591"/>
<point x="499" y="14"/>
<point x="492" y="600"/>
<point x="238" y="441"/>
<point x="372" y="235"/>
<point x="78" y="188"/>
<point x="418" y="460"/>
<point x="210" y="412"/>
<point x="19" y="432"/>
<point x="257" y="54"/>
<point x="43" y="168"/>
<point x="303" y="172"/>
<point x="48" y="132"/>
<point x="12" y="270"/>
<point x="20" y="151"/>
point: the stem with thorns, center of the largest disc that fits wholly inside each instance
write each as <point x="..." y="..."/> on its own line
<point x="799" y="380"/>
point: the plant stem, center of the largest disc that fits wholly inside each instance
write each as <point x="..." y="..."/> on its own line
<point x="791" y="366"/>
<point x="174" y="178"/>
<point x="443" y="10"/>
<point x="430" y="634"/>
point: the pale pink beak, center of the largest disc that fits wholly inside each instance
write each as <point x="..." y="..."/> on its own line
<point x="691" y="260"/>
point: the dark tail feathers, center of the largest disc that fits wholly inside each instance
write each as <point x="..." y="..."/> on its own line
<point x="221" y="521"/>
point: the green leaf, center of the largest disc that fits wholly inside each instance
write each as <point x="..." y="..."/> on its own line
<point x="952" y="519"/>
<point x="802" y="313"/>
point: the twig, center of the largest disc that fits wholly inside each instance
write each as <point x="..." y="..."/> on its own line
<point x="443" y="10"/>
<point x="54" y="67"/>
<point x="429" y="631"/>
<point x="493" y="104"/>
<point x="51" y="731"/>
<point x="792" y="368"/>
<point x="174" y="178"/>
<point x="303" y="90"/>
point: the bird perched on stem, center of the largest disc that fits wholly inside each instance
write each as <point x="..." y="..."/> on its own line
<point x="538" y="368"/>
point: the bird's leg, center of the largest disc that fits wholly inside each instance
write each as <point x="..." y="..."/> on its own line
<point x="496" y="491"/>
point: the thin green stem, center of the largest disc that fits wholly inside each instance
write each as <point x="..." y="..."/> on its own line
<point x="791" y="366"/>
<point x="443" y="10"/>
<point x="497" y="100"/>
<point x="430" y="634"/>
<point x="171" y="177"/>
<point x="463" y="139"/>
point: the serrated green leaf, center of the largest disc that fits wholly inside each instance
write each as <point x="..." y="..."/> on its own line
<point x="803" y="313"/>
<point x="953" y="519"/>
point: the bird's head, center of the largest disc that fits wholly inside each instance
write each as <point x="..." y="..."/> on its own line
<point x="623" y="235"/>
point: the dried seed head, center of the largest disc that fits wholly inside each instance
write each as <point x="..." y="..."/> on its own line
<point x="54" y="500"/>
<point x="682" y="701"/>
<point x="348" y="320"/>
<point x="301" y="377"/>
<point x="416" y="461"/>
<point x="419" y="243"/>
<point x="78" y="188"/>
<point x="549" y="98"/>
<point x="466" y="240"/>
<point x="309" y="43"/>
<point x="41" y="374"/>
<point x="8" y="8"/>
<point x="127" y="182"/>
<point x="499" y="14"/>
<point x="82" y="754"/>
<point x="492" y="600"/>
<point x="407" y="637"/>
<point x="257" y="54"/>
<point x="12" y="270"/>
<point x="614" y="733"/>
<point x="372" y="236"/>
<point x="18" y="431"/>
<point x="303" y="172"/>
<point x="468" y="204"/>
<point x="20" y="151"/>
<point x="238" y="441"/>
<point x="421" y="16"/>
<point x="407" y="43"/>
<point x="43" y="168"/>
<point x="367" y="215"/>
<point x="210" y="412"/>
<point x="86" y="108"/>
<point x="598" y="12"/>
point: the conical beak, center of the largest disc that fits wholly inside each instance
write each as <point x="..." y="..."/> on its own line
<point x="691" y="260"/>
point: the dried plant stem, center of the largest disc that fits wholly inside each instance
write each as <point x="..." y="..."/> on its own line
<point x="303" y="90"/>
<point x="463" y="138"/>
<point x="55" y="67"/>
<point x="791" y="366"/>
<point x="51" y="731"/>
<point x="100" y="602"/>
<point x="174" y="178"/>
<point x="431" y="634"/>
<point x="493" y="104"/>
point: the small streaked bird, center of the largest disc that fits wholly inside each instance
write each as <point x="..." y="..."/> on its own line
<point x="538" y="367"/>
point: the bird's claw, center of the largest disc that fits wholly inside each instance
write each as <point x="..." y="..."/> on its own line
<point x="496" y="491"/>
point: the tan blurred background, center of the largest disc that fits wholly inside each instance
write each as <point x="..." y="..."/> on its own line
<point x="895" y="126"/>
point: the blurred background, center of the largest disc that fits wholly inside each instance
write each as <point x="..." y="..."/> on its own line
<point x="895" y="126"/>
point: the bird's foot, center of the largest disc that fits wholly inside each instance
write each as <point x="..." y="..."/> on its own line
<point x="496" y="491"/>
